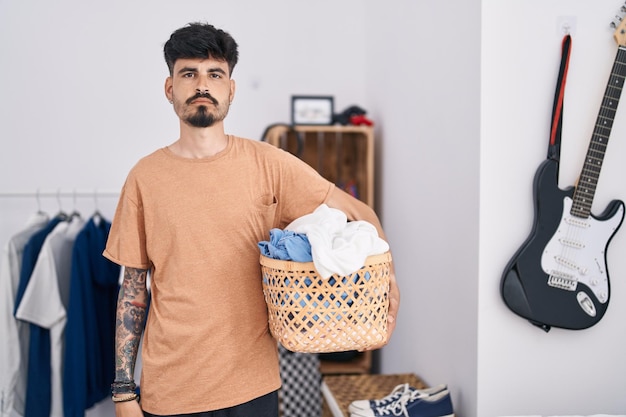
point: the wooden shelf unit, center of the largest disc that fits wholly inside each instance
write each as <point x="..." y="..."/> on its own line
<point x="361" y="364"/>
<point x="343" y="155"/>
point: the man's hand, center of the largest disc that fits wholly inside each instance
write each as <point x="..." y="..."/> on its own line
<point x="128" y="409"/>
<point x="394" y="305"/>
<point x="392" y="314"/>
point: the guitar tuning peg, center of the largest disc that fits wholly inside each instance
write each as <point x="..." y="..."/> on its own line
<point x="616" y="21"/>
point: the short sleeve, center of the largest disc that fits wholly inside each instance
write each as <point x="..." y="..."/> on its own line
<point x="302" y="189"/>
<point x="126" y="243"/>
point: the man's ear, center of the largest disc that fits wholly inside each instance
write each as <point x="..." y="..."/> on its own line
<point x="232" y="90"/>
<point x="169" y="89"/>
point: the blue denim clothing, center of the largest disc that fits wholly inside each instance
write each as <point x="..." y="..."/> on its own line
<point x="287" y="246"/>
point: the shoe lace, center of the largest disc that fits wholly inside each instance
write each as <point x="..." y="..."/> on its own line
<point x="397" y="392"/>
<point x="398" y="407"/>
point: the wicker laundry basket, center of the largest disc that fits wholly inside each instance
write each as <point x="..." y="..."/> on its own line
<point x="308" y="313"/>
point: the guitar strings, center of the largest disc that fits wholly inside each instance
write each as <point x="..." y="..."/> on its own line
<point x="573" y="238"/>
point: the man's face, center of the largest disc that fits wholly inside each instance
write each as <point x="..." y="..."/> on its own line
<point x="201" y="91"/>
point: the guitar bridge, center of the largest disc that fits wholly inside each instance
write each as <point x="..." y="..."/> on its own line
<point x="562" y="280"/>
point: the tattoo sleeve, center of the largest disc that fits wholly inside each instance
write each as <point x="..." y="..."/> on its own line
<point x="129" y="324"/>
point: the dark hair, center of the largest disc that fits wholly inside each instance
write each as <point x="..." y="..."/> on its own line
<point x="200" y="40"/>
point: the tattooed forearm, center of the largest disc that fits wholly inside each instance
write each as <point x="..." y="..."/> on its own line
<point x="131" y="313"/>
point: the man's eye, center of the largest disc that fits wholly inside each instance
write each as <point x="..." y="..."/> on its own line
<point x="216" y="75"/>
<point x="188" y="75"/>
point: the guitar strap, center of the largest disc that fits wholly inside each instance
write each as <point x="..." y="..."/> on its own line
<point x="554" y="149"/>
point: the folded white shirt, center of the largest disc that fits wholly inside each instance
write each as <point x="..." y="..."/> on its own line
<point x="338" y="246"/>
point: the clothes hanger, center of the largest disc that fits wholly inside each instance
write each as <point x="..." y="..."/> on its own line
<point x="97" y="216"/>
<point x="62" y="214"/>
<point x="75" y="212"/>
<point x="39" y="210"/>
<point x="40" y="214"/>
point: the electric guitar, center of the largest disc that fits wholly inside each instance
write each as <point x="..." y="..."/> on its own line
<point x="559" y="276"/>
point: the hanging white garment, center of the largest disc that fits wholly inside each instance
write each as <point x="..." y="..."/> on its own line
<point x="13" y="333"/>
<point x="46" y="298"/>
<point x="338" y="246"/>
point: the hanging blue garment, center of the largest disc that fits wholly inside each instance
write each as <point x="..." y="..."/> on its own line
<point x="89" y="362"/>
<point x="38" y="401"/>
<point x="30" y="255"/>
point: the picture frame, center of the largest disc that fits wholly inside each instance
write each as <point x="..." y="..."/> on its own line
<point x="312" y="110"/>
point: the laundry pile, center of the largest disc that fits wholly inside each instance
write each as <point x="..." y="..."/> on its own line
<point x="328" y="239"/>
<point x="340" y="303"/>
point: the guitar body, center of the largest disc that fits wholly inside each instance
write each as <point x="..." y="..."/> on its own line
<point x="559" y="277"/>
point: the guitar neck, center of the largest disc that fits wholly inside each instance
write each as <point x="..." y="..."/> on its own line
<point x="588" y="179"/>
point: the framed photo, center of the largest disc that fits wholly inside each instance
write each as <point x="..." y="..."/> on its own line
<point x="312" y="110"/>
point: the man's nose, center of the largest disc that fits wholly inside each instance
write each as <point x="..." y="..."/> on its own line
<point x="202" y="85"/>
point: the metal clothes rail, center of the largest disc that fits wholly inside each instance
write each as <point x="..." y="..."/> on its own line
<point x="59" y="193"/>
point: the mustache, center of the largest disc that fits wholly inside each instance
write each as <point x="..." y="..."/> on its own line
<point x="203" y="95"/>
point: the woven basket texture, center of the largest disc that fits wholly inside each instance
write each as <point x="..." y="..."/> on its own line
<point x="310" y="314"/>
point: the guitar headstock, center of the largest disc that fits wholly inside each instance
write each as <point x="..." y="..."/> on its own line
<point x="620" y="27"/>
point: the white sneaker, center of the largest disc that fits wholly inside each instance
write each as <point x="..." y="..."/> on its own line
<point x="413" y="405"/>
<point x="396" y="393"/>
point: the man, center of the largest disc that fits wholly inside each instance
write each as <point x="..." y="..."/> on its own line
<point x="192" y="214"/>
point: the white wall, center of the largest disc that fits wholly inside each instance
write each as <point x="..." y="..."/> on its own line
<point x="463" y="96"/>
<point x="424" y="87"/>
<point x="82" y="92"/>
<point x="461" y="93"/>
<point x="521" y="369"/>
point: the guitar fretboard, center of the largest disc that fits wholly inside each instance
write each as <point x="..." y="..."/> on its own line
<point x="588" y="180"/>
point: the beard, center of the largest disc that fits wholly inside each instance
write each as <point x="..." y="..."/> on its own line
<point x="202" y="118"/>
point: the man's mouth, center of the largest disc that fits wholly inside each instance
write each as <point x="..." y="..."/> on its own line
<point x="202" y="98"/>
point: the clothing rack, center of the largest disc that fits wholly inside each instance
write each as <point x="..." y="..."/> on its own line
<point x="59" y="193"/>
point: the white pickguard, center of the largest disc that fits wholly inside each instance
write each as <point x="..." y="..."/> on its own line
<point x="576" y="252"/>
